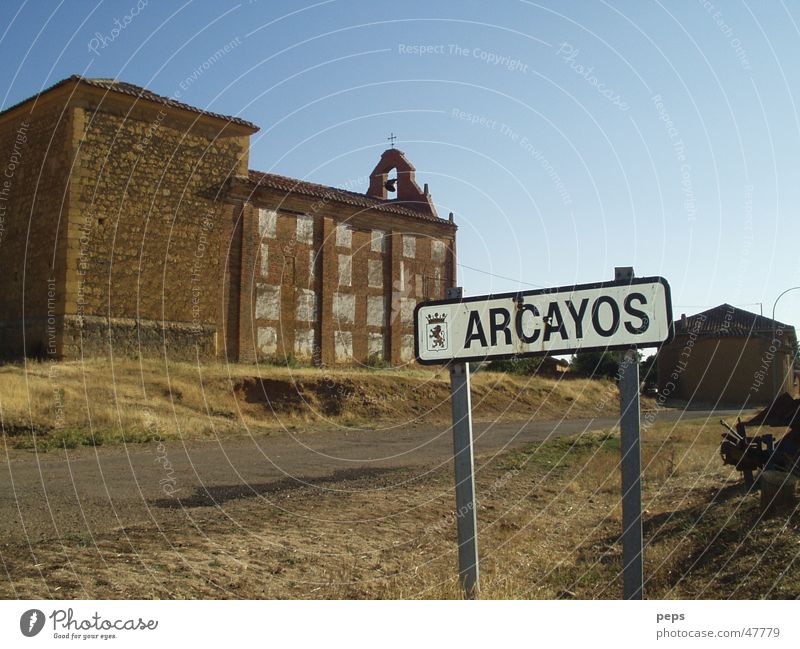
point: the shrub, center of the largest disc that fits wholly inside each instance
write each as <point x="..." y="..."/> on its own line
<point x="595" y="364"/>
<point x="524" y="366"/>
<point x="376" y="362"/>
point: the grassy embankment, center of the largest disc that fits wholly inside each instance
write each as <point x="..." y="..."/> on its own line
<point x="46" y="405"/>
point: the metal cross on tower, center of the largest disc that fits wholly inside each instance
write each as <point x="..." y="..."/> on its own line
<point x="392" y="137"/>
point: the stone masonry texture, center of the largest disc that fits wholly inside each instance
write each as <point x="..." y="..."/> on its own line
<point x="130" y="224"/>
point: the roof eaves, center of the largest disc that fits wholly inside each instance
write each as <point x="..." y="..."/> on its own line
<point x="132" y="90"/>
<point x="315" y="190"/>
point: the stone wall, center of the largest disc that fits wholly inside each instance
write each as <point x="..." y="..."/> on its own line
<point x="150" y="229"/>
<point x="127" y="337"/>
<point x="131" y="227"/>
<point x="34" y="167"/>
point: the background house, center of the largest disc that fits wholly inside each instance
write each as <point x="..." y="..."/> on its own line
<point x="728" y="355"/>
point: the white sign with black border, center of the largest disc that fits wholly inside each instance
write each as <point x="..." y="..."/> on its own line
<point x="588" y="317"/>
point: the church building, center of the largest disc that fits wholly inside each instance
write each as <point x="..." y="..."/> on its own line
<point x="132" y="225"/>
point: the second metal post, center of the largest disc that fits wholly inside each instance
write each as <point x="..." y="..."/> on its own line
<point x="630" y="448"/>
<point x="463" y="459"/>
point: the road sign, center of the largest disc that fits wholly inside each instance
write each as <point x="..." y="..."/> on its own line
<point x="624" y="314"/>
<point x="635" y="312"/>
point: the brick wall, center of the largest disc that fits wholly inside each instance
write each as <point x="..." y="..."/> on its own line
<point x="369" y="271"/>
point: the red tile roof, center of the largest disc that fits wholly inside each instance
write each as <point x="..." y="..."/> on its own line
<point x="305" y="188"/>
<point x="728" y="320"/>
<point x="258" y="178"/>
<point x="125" y="88"/>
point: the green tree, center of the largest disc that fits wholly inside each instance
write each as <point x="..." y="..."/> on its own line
<point x="526" y="366"/>
<point x="648" y="370"/>
<point x="595" y="364"/>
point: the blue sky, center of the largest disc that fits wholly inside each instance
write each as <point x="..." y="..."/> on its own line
<point x="566" y="137"/>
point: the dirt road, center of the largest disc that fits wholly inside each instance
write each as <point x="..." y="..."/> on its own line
<point x="91" y="491"/>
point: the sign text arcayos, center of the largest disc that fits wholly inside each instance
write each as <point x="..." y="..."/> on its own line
<point x="609" y="315"/>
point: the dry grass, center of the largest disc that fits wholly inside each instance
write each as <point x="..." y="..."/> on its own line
<point x="549" y="520"/>
<point x="97" y="402"/>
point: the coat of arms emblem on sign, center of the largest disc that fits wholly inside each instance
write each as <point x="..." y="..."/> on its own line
<point x="436" y="330"/>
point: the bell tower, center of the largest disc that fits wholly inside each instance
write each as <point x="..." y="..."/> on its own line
<point x="404" y="184"/>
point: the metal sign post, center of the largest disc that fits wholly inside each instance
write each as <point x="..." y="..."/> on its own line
<point x="631" y="468"/>
<point x="466" y="518"/>
<point x="631" y="463"/>
<point x="627" y="314"/>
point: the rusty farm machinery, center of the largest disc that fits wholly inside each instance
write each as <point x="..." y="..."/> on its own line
<point x="777" y="461"/>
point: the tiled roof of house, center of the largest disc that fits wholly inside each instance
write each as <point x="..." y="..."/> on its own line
<point x="113" y="85"/>
<point x="728" y="320"/>
<point x="323" y="192"/>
